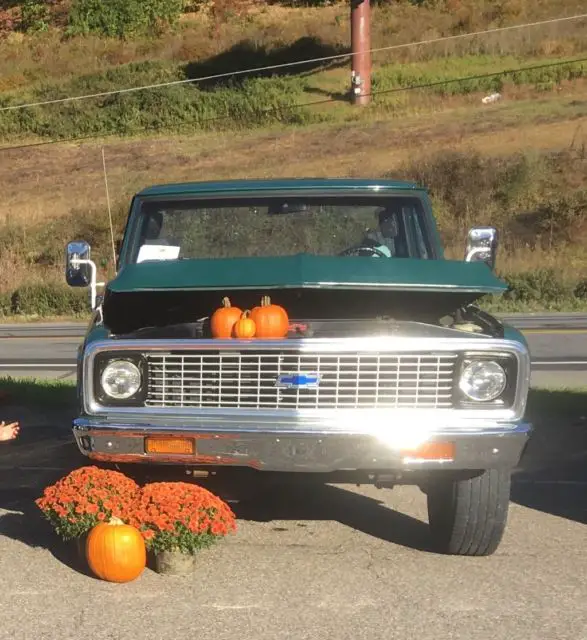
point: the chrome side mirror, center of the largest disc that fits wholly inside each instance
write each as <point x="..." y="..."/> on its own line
<point x="482" y="243"/>
<point x="78" y="271"/>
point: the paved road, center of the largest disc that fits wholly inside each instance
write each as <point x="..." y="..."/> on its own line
<point x="558" y="343"/>
<point x="521" y="320"/>
<point x="331" y="562"/>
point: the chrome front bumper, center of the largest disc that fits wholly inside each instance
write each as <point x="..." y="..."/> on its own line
<point x="487" y="446"/>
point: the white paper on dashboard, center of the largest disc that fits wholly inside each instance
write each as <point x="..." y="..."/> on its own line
<point x="157" y="252"/>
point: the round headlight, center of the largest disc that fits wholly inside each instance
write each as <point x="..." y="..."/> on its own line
<point x="121" y="379"/>
<point x="483" y="380"/>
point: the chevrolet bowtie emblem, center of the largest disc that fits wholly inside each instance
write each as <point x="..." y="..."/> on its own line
<point x="297" y="380"/>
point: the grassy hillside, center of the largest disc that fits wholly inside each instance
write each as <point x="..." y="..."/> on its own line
<point x="520" y="164"/>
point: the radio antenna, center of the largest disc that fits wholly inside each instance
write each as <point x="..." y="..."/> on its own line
<point x="109" y="210"/>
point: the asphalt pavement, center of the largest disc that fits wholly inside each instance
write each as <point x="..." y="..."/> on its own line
<point x="308" y="561"/>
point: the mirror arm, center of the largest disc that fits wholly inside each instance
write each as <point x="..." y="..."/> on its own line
<point x="474" y="252"/>
<point x="76" y="262"/>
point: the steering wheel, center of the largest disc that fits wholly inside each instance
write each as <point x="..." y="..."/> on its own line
<point x="363" y="251"/>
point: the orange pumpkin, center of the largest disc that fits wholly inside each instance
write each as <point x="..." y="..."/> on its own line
<point x="271" y="320"/>
<point x="116" y="551"/>
<point x="245" y="327"/>
<point x="255" y="311"/>
<point x="224" y="319"/>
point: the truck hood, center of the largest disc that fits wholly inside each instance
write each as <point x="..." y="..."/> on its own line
<point x="159" y="293"/>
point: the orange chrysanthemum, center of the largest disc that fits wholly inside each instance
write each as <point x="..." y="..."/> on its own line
<point x="86" y="496"/>
<point x="182" y="516"/>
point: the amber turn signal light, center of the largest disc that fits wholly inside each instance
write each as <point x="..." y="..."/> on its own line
<point x="431" y="451"/>
<point x="169" y="445"/>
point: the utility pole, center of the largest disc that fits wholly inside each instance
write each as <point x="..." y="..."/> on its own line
<point x="360" y="47"/>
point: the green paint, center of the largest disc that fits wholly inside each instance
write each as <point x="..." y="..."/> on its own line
<point x="302" y="270"/>
<point x="308" y="271"/>
<point x="96" y="332"/>
<point x="511" y="333"/>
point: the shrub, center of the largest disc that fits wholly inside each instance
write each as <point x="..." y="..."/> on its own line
<point x="122" y="18"/>
<point x="34" y="16"/>
<point x="581" y="290"/>
<point x="48" y="299"/>
<point x="543" y="285"/>
<point x="5" y="304"/>
<point x="534" y="200"/>
<point x="252" y="102"/>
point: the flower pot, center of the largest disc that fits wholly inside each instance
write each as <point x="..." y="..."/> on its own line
<point x="80" y="547"/>
<point x="73" y="553"/>
<point x="174" y="563"/>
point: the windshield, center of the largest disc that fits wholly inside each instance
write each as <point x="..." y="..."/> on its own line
<point x="376" y="227"/>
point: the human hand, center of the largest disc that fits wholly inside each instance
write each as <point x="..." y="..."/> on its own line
<point x="9" y="431"/>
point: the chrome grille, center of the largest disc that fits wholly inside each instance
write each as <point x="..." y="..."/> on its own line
<point x="213" y="379"/>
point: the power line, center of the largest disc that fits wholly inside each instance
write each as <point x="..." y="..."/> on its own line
<point x="483" y="76"/>
<point x="302" y="105"/>
<point x="275" y="67"/>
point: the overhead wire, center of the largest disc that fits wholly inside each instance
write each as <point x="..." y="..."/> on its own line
<point x="285" y="65"/>
<point x="281" y="109"/>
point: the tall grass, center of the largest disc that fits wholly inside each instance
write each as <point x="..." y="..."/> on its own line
<point x="251" y="102"/>
<point x="538" y="201"/>
<point x="477" y="71"/>
<point x="25" y="60"/>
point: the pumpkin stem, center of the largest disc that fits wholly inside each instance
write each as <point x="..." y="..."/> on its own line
<point x="226" y="302"/>
<point x="266" y="301"/>
<point x="246" y="314"/>
<point x="115" y="521"/>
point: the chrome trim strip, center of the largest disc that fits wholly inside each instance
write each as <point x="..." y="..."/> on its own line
<point x="293" y="427"/>
<point x="348" y="286"/>
<point x="375" y="190"/>
<point x="378" y="344"/>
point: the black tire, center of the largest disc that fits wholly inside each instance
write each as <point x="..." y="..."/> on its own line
<point x="468" y="515"/>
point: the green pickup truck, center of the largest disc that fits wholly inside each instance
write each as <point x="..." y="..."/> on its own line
<point x="386" y="371"/>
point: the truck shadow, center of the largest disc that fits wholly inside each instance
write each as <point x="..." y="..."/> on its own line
<point x="552" y="475"/>
<point x="301" y="501"/>
<point x="558" y="490"/>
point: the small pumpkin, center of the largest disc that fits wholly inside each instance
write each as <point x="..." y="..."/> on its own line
<point x="224" y="319"/>
<point x="116" y="551"/>
<point x="270" y="319"/>
<point x="245" y="327"/>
